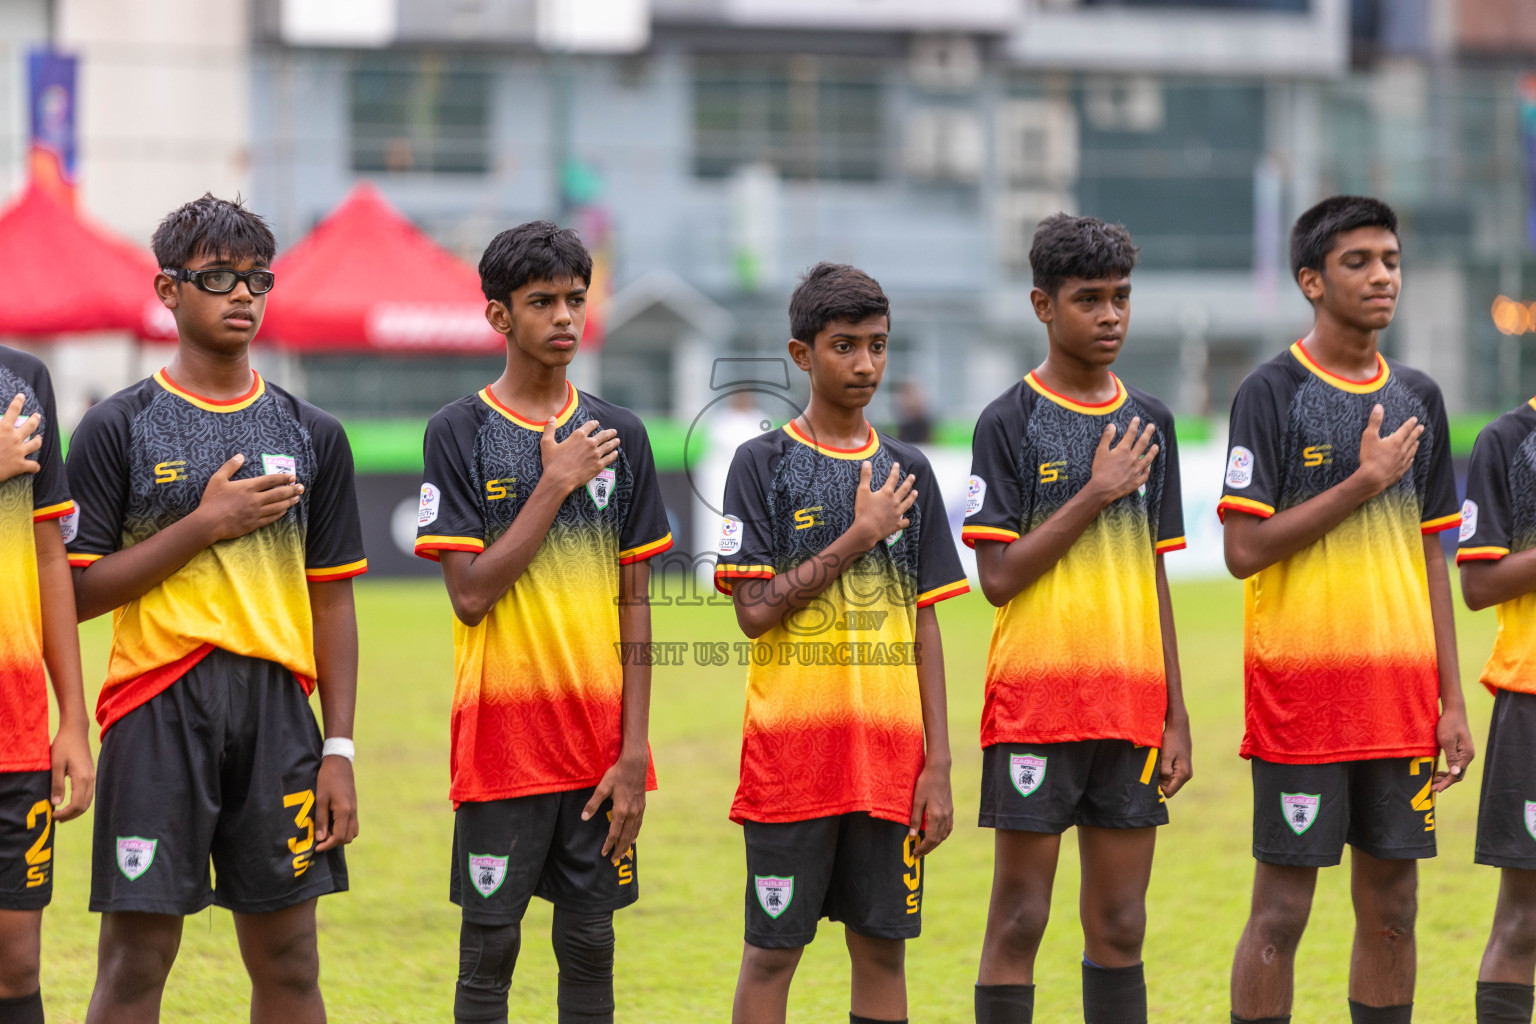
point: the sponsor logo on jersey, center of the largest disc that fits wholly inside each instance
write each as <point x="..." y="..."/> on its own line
<point x="69" y="525"/>
<point x="1468" y="519"/>
<point x="279" y="464"/>
<point x="805" y="518"/>
<point x="1317" y="455"/>
<point x="774" y="893"/>
<point x="730" y="535"/>
<point x="1300" y="810"/>
<point x="1050" y="472"/>
<point x="134" y="855"/>
<point x="1530" y="817"/>
<point x="1026" y="772"/>
<point x="496" y="490"/>
<point x="431" y="499"/>
<point x="1239" y="468"/>
<point x="486" y="873"/>
<point x="975" y="495"/>
<point x="170" y="472"/>
<point x="601" y="487"/>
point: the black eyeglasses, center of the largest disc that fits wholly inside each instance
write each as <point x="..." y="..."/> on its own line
<point x="221" y="282"/>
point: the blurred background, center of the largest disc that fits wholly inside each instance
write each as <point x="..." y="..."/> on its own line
<point x="711" y="150"/>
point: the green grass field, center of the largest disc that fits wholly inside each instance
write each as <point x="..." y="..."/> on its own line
<point x="389" y="947"/>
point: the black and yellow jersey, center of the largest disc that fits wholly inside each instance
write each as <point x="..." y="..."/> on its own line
<point x="143" y="458"/>
<point x="26" y="499"/>
<point x="1497" y="519"/>
<point x="1078" y="654"/>
<point x="539" y="682"/>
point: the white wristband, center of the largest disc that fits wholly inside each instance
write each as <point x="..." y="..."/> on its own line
<point x="340" y="746"/>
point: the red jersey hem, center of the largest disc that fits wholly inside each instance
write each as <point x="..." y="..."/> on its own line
<point x="16" y="767"/>
<point x="1335" y="757"/>
<point x="1073" y="737"/>
<point x="113" y="704"/>
<point x="539" y="789"/>
<point x="741" y="813"/>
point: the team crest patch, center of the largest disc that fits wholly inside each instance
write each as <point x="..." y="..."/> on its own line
<point x="1026" y="772"/>
<point x="601" y="487"/>
<point x="975" y="494"/>
<point x="774" y="894"/>
<point x="279" y="464"/>
<point x="893" y="538"/>
<point x="134" y="855"/>
<point x="1239" y="468"/>
<point x="730" y="535"/>
<point x="1468" y="519"/>
<point x="1530" y="817"/>
<point x="1300" y="810"/>
<point x="486" y="873"/>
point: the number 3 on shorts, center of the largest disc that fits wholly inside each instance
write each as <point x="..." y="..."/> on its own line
<point x="302" y="848"/>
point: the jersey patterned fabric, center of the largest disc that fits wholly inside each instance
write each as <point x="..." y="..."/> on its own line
<point x="26" y="499"/>
<point x="834" y="721"/>
<point x="142" y="459"/>
<point x="539" y="682"/>
<point x="1497" y="519"/>
<point x="1339" y="644"/>
<point x="1078" y="654"/>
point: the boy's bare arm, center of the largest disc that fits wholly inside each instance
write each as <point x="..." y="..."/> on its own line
<point x="1487" y="583"/>
<point x="1253" y="543"/>
<point x="1008" y="569"/>
<point x="61" y="654"/>
<point x="476" y="581"/>
<point x="229" y="508"/>
<point x="1175" y="767"/>
<point x="1451" y="733"/>
<point x="625" y="779"/>
<point x="761" y="604"/>
<point x="335" y="625"/>
<point x="932" y="799"/>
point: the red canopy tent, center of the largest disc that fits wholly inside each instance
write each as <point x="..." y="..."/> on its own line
<point x="367" y="279"/>
<point x="62" y="275"/>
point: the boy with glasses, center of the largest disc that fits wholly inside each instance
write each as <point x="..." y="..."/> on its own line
<point x="218" y="517"/>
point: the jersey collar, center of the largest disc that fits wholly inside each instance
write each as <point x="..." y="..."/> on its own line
<point x="1098" y="409"/>
<point x="864" y="451"/>
<point x="1358" y="387"/>
<point x="490" y="399"/>
<point x="258" y="388"/>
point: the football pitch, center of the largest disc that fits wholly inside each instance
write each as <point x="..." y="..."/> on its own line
<point x="389" y="947"/>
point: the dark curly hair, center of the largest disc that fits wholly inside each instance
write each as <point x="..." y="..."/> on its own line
<point x="1313" y="236"/>
<point x="222" y="228"/>
<point x="536" y="251"/>
<point x="834" y="291"/>
<point x="1083" y="247"/>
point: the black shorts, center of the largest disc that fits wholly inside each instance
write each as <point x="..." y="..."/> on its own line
<point x="1506" y="814"/>
<point x="1303" y="814"/>
<point x="853" y="868"/>
<point x="509" y="851"/>
<point x="222" y="764"/>
<point x="1049" y="787"/>
<point x="26" y="840"/>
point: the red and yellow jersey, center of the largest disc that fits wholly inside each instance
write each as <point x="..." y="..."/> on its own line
<point x="1339" y="643"/>
<point x="834" y="719"/>
<point x="539" y="682"/>
<point x="26" y="499"/>
<point x="142" y="459"/>
<point x="1078" y="654"/>
<point x="1497" y="519"/>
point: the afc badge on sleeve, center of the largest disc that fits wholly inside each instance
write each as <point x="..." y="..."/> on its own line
<point x="1468" y="520"/>
<point x="730" y="535"/>
<point x="975" y="495"/>
<point x="1239" y="468"/>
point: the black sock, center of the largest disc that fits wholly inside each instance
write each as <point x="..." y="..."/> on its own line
<point x="23" y="1009"/>
<point x="1114" y="995"/>
<point x="1005" y="1004"/>
<point x="854" y="1018"/>
<point x="1359" y="1013"/>
<point x="1284" y="1018"/>
<point x="1504" y="1002"/>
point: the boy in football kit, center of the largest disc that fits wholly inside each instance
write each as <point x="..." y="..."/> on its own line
<point x="217" y="516"/>
<point x="1497" y="555"/>
<point x="835" y="547"/>
<point x="542" y="504"/>
<point x="1072" y="503"/>
<point x="37" y="631"/>
<point x="1337" y="486"/>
